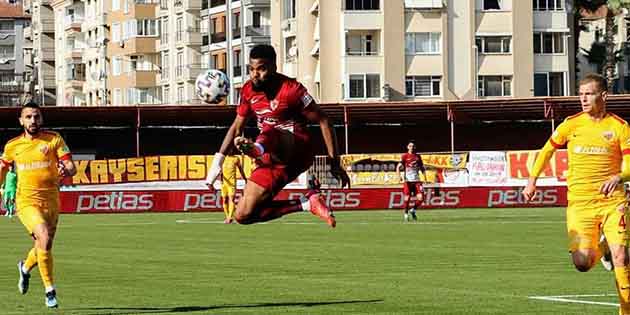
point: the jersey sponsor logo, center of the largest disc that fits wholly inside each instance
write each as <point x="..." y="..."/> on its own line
<point x="33" y="165"/>
<point x="115" y="201"/>
<point x="594" y="150"/>
<point x="255" y="100"/>
<point x="608" y="135"/>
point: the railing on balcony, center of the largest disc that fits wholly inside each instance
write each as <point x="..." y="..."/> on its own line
<point x="147" y="1"/>
<point x="72" y="19"/>
<point x="217" y="37"/>
<point x="262" y="30"/>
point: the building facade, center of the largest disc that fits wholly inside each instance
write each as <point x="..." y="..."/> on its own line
<point x="14" y="75"/>
<point x="247" y="24"/>
<point x="441" y="49"/>
<point x="41" y="58"/>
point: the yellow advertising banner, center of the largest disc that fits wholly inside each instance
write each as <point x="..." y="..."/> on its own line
<point x="380" y="169"/>
<point x="145" y="169"/>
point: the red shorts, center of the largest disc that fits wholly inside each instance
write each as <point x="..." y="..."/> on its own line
<point x="412" y="188"/>
<point x="294" y="155"/>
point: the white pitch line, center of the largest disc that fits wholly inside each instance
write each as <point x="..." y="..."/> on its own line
<point x="572" y="299"/>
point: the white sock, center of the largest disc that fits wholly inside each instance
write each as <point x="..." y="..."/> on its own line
<point x="24" y="270"/>
<point x="48" y="289"/>
<point x="306" y="205"/>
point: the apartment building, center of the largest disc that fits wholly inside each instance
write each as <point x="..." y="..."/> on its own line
<point x="362" y="50"/>
<point x="134" y="60"/>
<point x="180" y="50"/>
<point x="13" y="73"/>
<point x="40" y="37"/>
<point x="247" y="24"/>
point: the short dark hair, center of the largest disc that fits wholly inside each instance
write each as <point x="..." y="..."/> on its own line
<point x="599" y="80"/>
<point x="263" y="51"/>
<point x="30" y="104"/>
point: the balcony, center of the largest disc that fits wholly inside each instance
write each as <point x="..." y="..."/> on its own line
<point x="190" y="37"/>
<point x="47" y="54"/>
<point x="140" y="78"/>
<point x="188" y="72"/>
<point x="72" y="23"/>
<point x="49" y="80"/>
<point x="47" y="25"/>
<point x="258" y="31"/>
<point x="73" y="53"/>
<point x="188" y="5"/>
<point x="135" y="46"/>
<point x="256" y="3"/>
<point x="217" y="37"/>
<point x="75" y="82"/>
<point x="423" y="4"/>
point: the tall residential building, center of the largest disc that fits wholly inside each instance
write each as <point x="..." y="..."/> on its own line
<point x="81" y="30"/>
<point x="13" y="73"/>
<point x="42" y="36"/>
<point x="132" y="77"/>
<point x="362" y="50"/>
<point x="248" y="23"/>
<point x="180" y="50"/>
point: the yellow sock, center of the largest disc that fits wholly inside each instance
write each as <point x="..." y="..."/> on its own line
<point x="622" y="277"/>
<point x="226" y="211"/>
<point x="31" y="259"/>
<point x="45" y="261"/>
<point x="231" y="207"/>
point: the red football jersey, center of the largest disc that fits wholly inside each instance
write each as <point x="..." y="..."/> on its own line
<point x="284" y="112"/>
<point x="413" y="165"/>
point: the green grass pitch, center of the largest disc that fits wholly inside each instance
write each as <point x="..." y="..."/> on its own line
<point x="466" y="261"/>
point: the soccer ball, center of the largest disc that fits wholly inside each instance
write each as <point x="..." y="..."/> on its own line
<point x="212" y="85"/>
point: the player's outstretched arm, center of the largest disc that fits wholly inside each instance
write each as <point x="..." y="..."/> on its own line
<point x="541" y="161"/>
<point x="399" y="169"/>
<point x="316" y="115"/>
<point x="217" y="162"/>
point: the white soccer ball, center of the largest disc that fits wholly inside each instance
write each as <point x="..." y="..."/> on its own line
<point x="212" y="85"/>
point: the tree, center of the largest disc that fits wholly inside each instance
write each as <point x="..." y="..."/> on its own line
<point x="612" y="9"/>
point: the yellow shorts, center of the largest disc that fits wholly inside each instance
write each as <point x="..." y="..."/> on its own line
<point x="228" y="190"/>
<point x="586" y="219"/>
<point x="34" y="213"/>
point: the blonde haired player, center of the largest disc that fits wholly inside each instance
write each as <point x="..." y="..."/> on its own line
<point x="598" y="144"/>
<point x="41" y="159"/>
<point x="231" y="163"/>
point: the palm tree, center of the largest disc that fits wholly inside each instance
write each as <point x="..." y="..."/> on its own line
<point x="613" y="8"/>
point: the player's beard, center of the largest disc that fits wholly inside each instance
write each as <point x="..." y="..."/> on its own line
<point x="33" y="130"/>
<point x="259" y="85"/>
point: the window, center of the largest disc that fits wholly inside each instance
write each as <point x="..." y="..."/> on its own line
<point x="164" y="32"/>
<point x="494" y="44"/>
<point x="422" y="86"/>
<point x="495" y="85"/>
<point x="117" y="97"/>
<point x="364" y="86"/>
<point x="501" y="5"/>
<point x="422" y="43"/>
<point x="180" y="93"/>
<point x="256" y="19"/>
<point x="362" y="4"/>
<point x="549" y="43"/>
<point x="549" y="84"/>
<point x="179" y="25"/>
<point x="289" y="9"/>
<point x="116" y="65"/>
<point x="166" y="94"/>
<point x="115" y="5"/>
<point x="548" y="5"/>
<point x="165" y="65"/>
<point x="146" y="28"/>
<point x="115" y="32"/>
<point x="361" y="45"/>
<point x="180" y="64"/>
